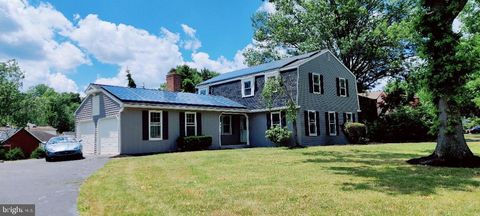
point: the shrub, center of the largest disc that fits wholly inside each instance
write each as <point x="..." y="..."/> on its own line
<point x="356" y="132"/>
<point x="404" y="124"/>
<point x="194" y="143"/>
<point x="3" y="153"/>
<point x="279" y="135"/>
<point x="15" y="154"/>
<point x="38" y="153"/>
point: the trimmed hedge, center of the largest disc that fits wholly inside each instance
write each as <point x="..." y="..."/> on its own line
<point x="279" y="135"/>
<point x="356" y="132"/>
<point x="15" y="154"/>
<point x="194" y="143"/>
<point x="38" y="153"/>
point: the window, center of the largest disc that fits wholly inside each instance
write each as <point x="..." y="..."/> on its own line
<point x="155" y="125"/>
<point x="316" y="83"/>
<point x="226" y="125"/>
<point x="271" y="76"/>
<point x="203" y="91"/>
<point x="96" y="105"/>
<point x="312" y="123"/>
<point x="332" y="123"/>
<point x="343" y="87"/>
<point x="348" y="117"/>
<point x="248" y="87"/>
<point x="190" y="124"/>
<point x="276" y="119"/>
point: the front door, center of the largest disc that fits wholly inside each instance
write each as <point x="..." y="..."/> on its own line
<point x="243" y="130"/>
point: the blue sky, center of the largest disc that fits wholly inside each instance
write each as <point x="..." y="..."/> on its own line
<point x="68" y="44"/>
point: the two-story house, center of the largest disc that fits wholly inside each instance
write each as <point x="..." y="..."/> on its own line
<point x="229" y="108"/>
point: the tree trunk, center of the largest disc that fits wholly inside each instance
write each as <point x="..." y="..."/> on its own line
<point x="450" y="142"/>
<point x="295" y="133"/>
<point x="451" y="149"/>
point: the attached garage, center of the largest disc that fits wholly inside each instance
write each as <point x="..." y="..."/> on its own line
<point x="108" y="136"/>
<point x="86" y="132"/>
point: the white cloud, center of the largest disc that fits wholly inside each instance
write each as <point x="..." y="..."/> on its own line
<point x="202" y="60"/>
<point x="28" y="34"/>
<point x="48" y="46"/>
<point x="267" y="7"/>
<point x="192" y="43"/>
<point x="61" y="83"/>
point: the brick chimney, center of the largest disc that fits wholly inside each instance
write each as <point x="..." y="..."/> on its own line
<point x="174" y="81"/>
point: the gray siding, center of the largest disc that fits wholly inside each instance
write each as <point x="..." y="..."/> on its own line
<point x="258" y="126"/>
<point x="232" y="90"/>
<point x="131" y="130"/>
<point x="330" y="68"/>
<point x="108" y="107"/>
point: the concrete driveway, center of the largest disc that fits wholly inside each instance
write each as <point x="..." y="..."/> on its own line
<point x="52" y="186"/>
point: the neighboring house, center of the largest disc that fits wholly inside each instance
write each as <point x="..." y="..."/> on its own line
<point x="19" y="138"/>
<point x="229" y="108"/>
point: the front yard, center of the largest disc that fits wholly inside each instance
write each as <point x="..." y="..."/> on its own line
<point x="333" y="180"/>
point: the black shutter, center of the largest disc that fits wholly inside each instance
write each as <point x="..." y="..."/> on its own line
<point x="327" y="125"/>
<point x="353" y="117"/>
<point x="346" y="86"/>
<point x="336" y="119"/>
<point x="269" y="121"/>
<point x="182" y="123"/>
<point x="321" y="83"/>
<point x="310" y="82"/>
<point x="317" y="117"/>
<point x="284" y="119"/>
<point x="145" y="125"/>
<point x="305" y="118"/>
<point x="338" y="86"/>
<point x="165" y="125"/>
<point x="199" y="124"/>
<point x="344" y="118"/>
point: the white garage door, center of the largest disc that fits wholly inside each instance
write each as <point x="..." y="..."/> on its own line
<point x="86" y="132"/>
<point x="108" y="136"/>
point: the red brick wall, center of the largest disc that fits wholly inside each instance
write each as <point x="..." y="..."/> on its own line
<point x="23" y="140"/>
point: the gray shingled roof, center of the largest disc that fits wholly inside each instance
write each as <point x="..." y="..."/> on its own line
<point x="260" y="68"/>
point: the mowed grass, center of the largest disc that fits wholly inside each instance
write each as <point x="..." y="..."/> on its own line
<point x="331" y="180"/>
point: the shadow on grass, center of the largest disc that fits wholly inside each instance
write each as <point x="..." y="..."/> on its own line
<point x="388" y="173"/>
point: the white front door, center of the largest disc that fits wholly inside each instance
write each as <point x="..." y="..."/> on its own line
<point x="243" y="129"/>
<point x="86" y="132"/>
<point x="108" y="136"/>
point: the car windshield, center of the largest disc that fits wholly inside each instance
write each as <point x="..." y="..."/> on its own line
<point x="56" y="140"/>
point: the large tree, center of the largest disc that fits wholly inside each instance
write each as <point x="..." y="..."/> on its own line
<point x="450" y="61"/>
<point x="11" y="77"/>
<point x="191" y="77"/>
<point x="372" y="37"/>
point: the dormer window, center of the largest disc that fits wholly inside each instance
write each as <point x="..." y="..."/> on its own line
<point x="203" y="91"/>
<point x="248" y="87"/>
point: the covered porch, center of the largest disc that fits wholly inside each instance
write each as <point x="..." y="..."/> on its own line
<point x="234" y="130"/>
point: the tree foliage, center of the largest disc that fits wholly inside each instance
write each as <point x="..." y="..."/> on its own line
<point x="372" y="38"/>
<point x="191" y="77"/>
<point x="40" y="104"/>
<point x="131" y="82"/>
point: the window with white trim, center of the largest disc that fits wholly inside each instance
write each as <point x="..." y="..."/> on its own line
<point x="316" y="83"/>
<point x="248" y="87"/>
<point x="332" y="123"/>
<point x="348" y="117"/>
<point x="155" y="125"/>
<point x="272" y="76"/>
<point x="96" y="105"/>
<point x="226" y="125"/>
<point x="343" y="87"/>
<point x="312" y="123"/>
<point x="190" y="123"/>
<point x="275" y="119"/>
<point x="203" y="91"/>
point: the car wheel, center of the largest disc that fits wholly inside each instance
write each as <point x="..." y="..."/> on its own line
<point x="48" y="159"/>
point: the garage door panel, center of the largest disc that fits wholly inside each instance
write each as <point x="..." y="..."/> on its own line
<point x="108" y="136"/>
<point x="86" y="132"/>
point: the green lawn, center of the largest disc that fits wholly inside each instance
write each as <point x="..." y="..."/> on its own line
<point x="333" y="180"/>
